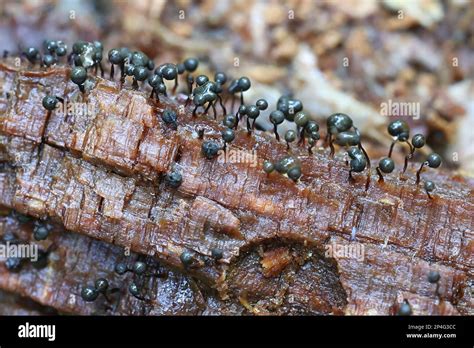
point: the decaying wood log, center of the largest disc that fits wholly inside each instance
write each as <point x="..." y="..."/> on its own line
<point x="100" y="174"/>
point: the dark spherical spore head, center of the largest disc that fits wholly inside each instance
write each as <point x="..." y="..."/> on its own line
<point x="191" y="64"/>
<point x="50" y="46"/>
<point x="139" y="59"/>
<point x="228" y="135"/>
<point x="244" y="83"/>
<point x="50" y="102"/>
<point x="434" y="276"/>
<point x="133" y="289"/>
<point x="186" y="258"/>
<point x="398" y="128"/>
<point x="311" y="126"/>
<point x="210" y="149"/>
<point x="126" y="54"/>
<point x="429" y="186"/>
<point x="48" y="60"/>
<point x="61" y="51"/>
<point x="97" y="56"/>
<point x="32" y="54"/>
<point x="115" y="57"/>
<point x="89" y="294"/>
<point x="180" y="68"/>
<point x="294" y="106"/>
<point x="40" y="232"/>
<point x="301" y="118"/>
<point x="174" y="179"/>
<point x="347" y="138"/>
<point x="404" y="309"/>
<point x="13" y="264"/>
<point x="130" y="70"/>
<point x="358" y="165"/>
<point x="154" y="81"/>
<point x="277" y="117"/>
<point x="386" y="165"/>
<point x="338" y="122"/>
<point x="230" y="120"/>
<point x="294" y="173"/>
<point x="268" y="167"/>
<point x="139" y="267"/>
<point x="78" y="47"/>
<point x="418" y="141"/>
<point x="314" y="136"/>
<point x="98" y="45"/>
<point x="101" y="285"/>
<point x="262" y="104"/>
<point x="242" y="109"/>
<point x="151" y="65"/>
<point x="201" y="80"/>
<point x="252" y="111"/>
<point x="217" y="253"/>
<point x="220" y="77"/>
<point x="354" y="152"/>
<point x="121" y="268"/>
<point x="285" y="164"/>
<point x="169" y="116"/>
<point x="169" y="72"/>
<point x="140" y="73"/>
<point x="434" y="160"/>
<point x="161" y="89"/>
<point x="290" y="136"/>
<point x="78" y="75"/>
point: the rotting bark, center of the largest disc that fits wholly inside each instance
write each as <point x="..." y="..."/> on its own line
<point x="123" y="208"/>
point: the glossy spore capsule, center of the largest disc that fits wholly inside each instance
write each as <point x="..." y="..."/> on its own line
<point x="210" y="149"/>
<point x="268" y="167"/>
<point x="89" y="294"/>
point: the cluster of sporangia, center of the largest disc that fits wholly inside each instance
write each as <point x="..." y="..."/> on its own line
<point x="206" y="94"/>
<point x="41" y="230"/>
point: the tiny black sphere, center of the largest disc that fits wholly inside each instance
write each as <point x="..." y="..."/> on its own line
<point x="133" y="289"/>
<point x="140" y="73"/>
<point x="418" y="141"/>
<point x="32" y="54"/>
<point x="277" y="117"/>
<point x="201" y="80"/>
<point x="210" y="149"/>
<point x="434" y="160"/>
<point x="89" y="294"/>
<point x="78" y="75"/>
<point x="262" y="104"/>
<point x="48" y="60"/>
<point x="268" y="167"/>
<point x="169" y="116"/>
<point x="252" y="111"/>
<point x="290" y="136"/>
<point x="220" y="77"/>
<point x="101" y="285"/>
<point x="433" y="276"/>
<point x="50" y="102"/>
<point x="404" y="309"/>
<point x="13" y="264"/>
<point x="115" y="57"/>
<point x="228" y="135"/>
<point x="398" y="128"/>
<point x="429" y="186"/>
<point x="244" y="83"/>
<point x="139" y="267"/>
<point x="191" y="64"/>
<point x="294" y="173"/>
<point x="121" y="268"/>
<point x="387" y="165"/>
<point x="301" y="118"/>
<point x="230" y="120"/>
<point x="40" y="232"/>
<point x="186" y="258"/>
<point x="217" y="253"/>
<point x="174" y="179"/>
